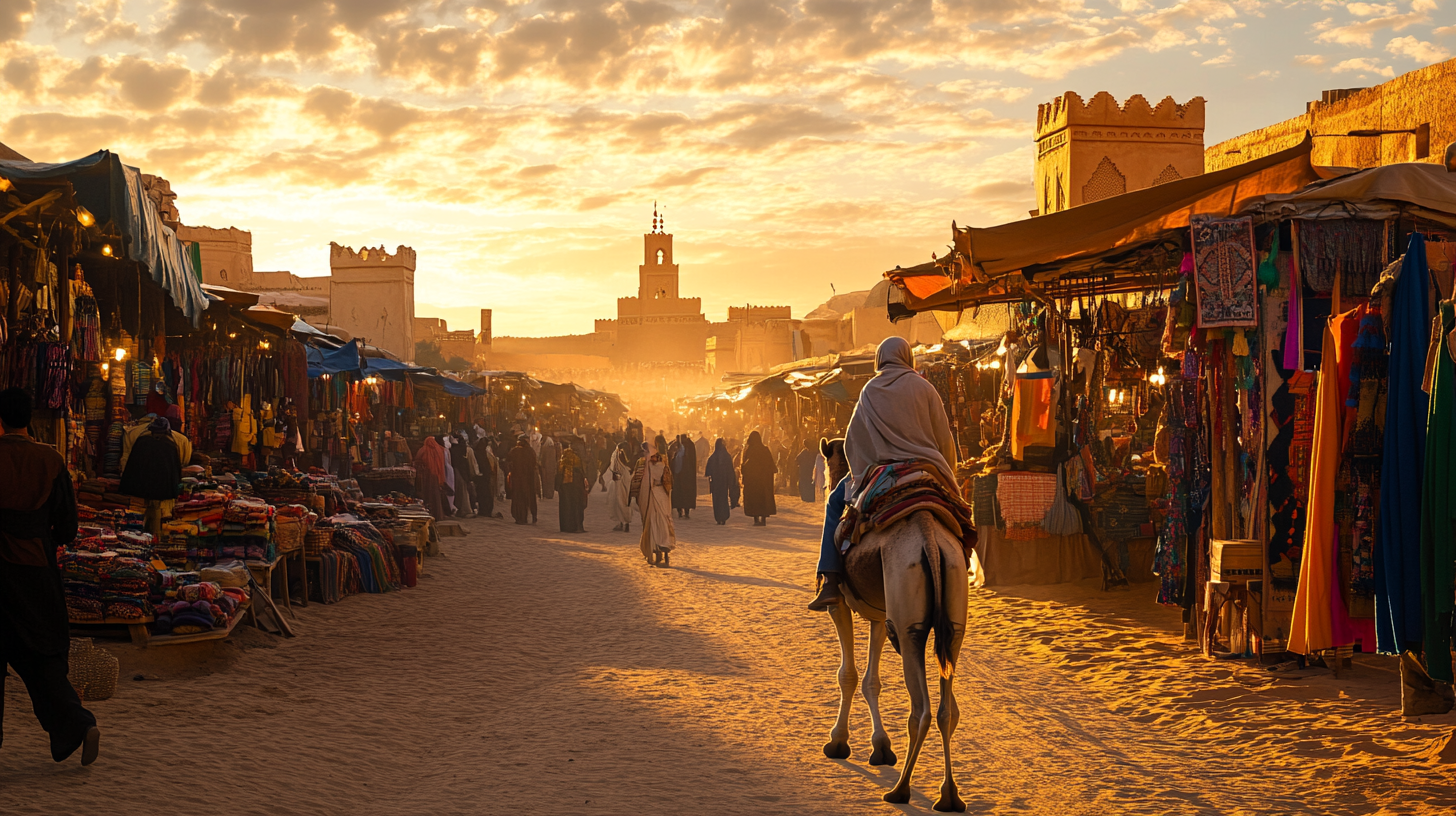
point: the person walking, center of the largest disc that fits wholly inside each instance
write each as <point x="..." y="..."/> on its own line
<point x="685" y="476"/>
<point x="154" y="472"/>
<point x="758" y="472"/>
<point x="547" y="460"/>
<point x="722" y="482"/>
<point x="808" y="458"/>
<point x="37" y="515"/>
<point x="652" y="487"/>
<point x="702" y="448"/>
<point x="521" y="481"/>
<point x="572" y="482"/>
<point x="619" y="493"/>
<point x="430" y="476"/>
<point x="485" y="482"/>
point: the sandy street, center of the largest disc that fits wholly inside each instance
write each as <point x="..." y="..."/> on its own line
<point x="533" y="672"/>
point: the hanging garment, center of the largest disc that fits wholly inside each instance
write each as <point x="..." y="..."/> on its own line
<point x="1398" y="614"/>
<point x="1438" y="508"/>
<point x="1320" y="620"/>
<point x="1032" y="409"/>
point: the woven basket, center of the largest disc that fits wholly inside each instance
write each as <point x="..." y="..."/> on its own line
<point x="93" y="671"/>
<point x="289" y="533"/>
<point x="316" y="541"/>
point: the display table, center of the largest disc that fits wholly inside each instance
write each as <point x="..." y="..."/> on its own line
<point x="263" y="576"/>
<point x="218" y="633"/>
<point x="136" y="628"/>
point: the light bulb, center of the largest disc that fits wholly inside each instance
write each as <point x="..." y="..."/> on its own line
<point x="107" y="250"/>
<point x="119" y="353"/>
<point x="85" y="217"/>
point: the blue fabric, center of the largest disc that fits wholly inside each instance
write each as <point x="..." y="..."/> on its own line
<point x="1398" y="620"/>
<point x="392" y="370"/>
<point x="343" y="360"/>
<point x="829" y="558"/>
<point x="113" y="193"/>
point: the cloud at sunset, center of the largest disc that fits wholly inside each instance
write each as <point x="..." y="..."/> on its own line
<point x="518" y="146"/>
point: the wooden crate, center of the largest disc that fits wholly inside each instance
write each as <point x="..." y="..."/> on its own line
<point x="1235" y="562"/>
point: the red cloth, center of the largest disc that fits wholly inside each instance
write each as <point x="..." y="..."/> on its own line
<point x="431" y="460"/>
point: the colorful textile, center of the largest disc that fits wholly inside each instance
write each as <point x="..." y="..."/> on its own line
<point x="1224" y="264"/>
<point x="1351" y="250"/>
<point x="1398" y="615"/>
<point x="894" y="491"/>
<point x="1438" y="509"/>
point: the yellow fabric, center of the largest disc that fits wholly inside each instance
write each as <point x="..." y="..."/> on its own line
<point x="1319" y="620"/>
<point x="245" y="426"/>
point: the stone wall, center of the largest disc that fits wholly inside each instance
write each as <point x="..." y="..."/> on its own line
<point x="227" y="255"/>
<point x="1420" y="101"/>
<point x="372" y="295"/>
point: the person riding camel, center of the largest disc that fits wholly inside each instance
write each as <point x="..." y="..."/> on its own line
<point x="899" y="417"/>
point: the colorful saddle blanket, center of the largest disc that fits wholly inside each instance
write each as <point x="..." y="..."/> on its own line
<point x="894" y="491"/>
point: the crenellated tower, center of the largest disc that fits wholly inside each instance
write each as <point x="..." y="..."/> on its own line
<point x="1089" y="151"/>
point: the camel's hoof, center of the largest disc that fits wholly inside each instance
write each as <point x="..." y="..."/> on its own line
<point x="837" y="750"/>
<point x="950" y="804"/>
<point x="898" y="796"/>
<point x="884" y="755"/>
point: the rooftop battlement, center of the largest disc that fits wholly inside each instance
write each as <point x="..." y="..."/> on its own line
<point x="346" y="257"/>
<point x="1103" y="109"/>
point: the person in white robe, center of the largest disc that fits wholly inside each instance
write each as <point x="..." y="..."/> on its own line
<point x="652" y="487"/>
<point x="619" y="507"/>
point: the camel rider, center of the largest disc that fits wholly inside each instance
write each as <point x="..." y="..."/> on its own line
<point x="899" y="417"/>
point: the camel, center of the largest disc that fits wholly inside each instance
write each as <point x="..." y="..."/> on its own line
<point x="906" y="580"/>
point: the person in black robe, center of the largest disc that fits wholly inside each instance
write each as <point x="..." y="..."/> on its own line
<point x="685" y="476"/>
<point x="521" y="481"/>
<point x="571" y="480"/>
<point x="805" y="465"/>
<point x="154" y="472"/>
<point x="758" y="472"/>
<point x="37" y="515"/>
<point x="722" y="482"/>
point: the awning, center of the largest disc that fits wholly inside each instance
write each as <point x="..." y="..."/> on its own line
<point x="392" y="370"/>
<point x="997" y="263"/>
<point x="454" y="388"/>
<point x="113" y="193"/>
<point x="344" y="360"/>
<point x="1377" y="193"/>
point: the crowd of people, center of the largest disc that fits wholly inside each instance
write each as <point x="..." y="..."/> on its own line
<point x="466" y="473"/>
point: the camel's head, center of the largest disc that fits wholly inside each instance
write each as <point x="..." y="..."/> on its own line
<point x="833" y="450"/>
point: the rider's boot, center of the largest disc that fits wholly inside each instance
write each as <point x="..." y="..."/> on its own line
<point x="829" y="595"/>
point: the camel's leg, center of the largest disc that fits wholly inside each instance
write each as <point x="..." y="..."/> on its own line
<point x="838" y="745"/>
<point x="947" y="718"/>
<point x="884" y="750"/>
<point x="912" y="655"/>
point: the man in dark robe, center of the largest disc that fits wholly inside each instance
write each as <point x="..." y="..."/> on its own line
<point x="38" y="514"/>
<point x="684" y="476"/>
<point x="805" y="465"/>
<point x="154" y="472"/>
<point x="572" y="482"/>
<point x="521" y="481"/>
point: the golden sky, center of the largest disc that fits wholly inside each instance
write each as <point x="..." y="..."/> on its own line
<point x="519" y="145"/>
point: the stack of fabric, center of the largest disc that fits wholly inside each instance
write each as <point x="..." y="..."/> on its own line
<point x="93" y="539"/>
<point x="376" y="557"/>
<point x="247" y="529"/>
<point x="178" y="538"/>
<point x="192" y="608"/>
<point x="81" y="581"/>
<point x="92" y="492"/>
<point x="196" y="525"/>
<point x="126" y="585"/>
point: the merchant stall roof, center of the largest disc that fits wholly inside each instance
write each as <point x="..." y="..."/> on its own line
<point x="114" y="203"/>
<point x="1131" y="241"/>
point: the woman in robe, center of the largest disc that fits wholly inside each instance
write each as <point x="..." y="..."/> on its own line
<point x="521" y="481"/>
<point x="722" y="482"/>
<point x="805" y="463"/>
<point x="685" y="477"/>
<point x="547" y="459"/>
<point x="571" y="481"/>
<point x="758" y="472"/>
<point x="449" y="490"/>
<point x="485" y="482"/>
<point x="460" y="457"/>
<point x="430" y="476"/>
<point x="619" y="493"/>
<point x="652" y="487"/>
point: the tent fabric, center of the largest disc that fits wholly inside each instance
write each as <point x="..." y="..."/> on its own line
<point x="454" y="388"/>
<point x="113" y="193"/>
<point x="392" y="370"/>
<point x="333" y="361"/>
<point x="1374" y="193"/>
<point x="1044" y="248"/>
